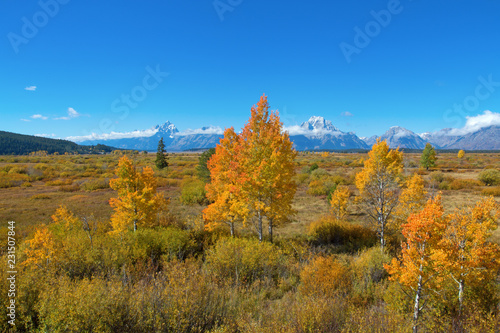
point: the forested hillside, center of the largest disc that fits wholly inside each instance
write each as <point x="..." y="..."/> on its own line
<point x="19" y="144"/>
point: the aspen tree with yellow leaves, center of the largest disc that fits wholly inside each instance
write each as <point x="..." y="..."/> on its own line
<point x="411" y="200"/>
<point x="268" y="168"/>
<point x="378" y="185"/>
<point x="42" y="251"/>
<point x="339" y="202"/>
<point x="137" y="203"/>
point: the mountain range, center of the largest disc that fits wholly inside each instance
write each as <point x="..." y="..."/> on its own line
<point x="315" y="134"/>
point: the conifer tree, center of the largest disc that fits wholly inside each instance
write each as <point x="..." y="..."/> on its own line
<point x="161" y="156"/>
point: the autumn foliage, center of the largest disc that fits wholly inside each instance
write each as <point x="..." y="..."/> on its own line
<point x="339" y="202"/>
<point x="378" y="184"/>
<point x="416" y="268"/>
<point x="137" y="204"/>
<point x="251" y="174"/>
<point x="442" y="250"/>
<point x="81" y="268"/>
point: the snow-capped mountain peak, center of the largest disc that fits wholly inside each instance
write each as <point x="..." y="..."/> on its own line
<point x="167" y="128"/>
<point x="319" y="123"/>
<point x="399" y="132"/>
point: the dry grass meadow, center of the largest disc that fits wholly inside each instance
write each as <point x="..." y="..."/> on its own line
<point x="178" y="277"/>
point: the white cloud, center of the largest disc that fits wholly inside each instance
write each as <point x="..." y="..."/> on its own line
<point x="72" y="113"/>
<point x="30" y="88"/>
<point x="142" y="134"/>
<point x="474" y="124"/>
<point x="38" y="116"/>
<point x="346" y="114"/>
<point x="114" y="135"/>
<point x="27" y="120"/>
<point x="316" y="132"/>
<point x="46" y="135"/>
<point x="203" y="130"/>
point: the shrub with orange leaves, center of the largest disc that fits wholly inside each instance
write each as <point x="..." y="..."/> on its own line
<point x="325" y="276"/>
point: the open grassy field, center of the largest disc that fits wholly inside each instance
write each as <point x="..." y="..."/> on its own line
<point x="31" y="188"/>
<point x="319" y="275"/>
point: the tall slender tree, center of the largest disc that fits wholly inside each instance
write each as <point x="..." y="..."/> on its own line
<point x="378" y="185"/>
<point x="225" y="189"/>
<point x="339" y="202"/>
<point x="268" y="167"/>
<point x="428" y="158"/>
<point x="202" y="167"/>
<point x="161" y="155"/>
<point x="411" y="200"/>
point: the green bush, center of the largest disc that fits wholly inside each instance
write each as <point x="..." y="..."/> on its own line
<point x="313" y="167"/>
<point x="95" y="184"/>
<point x="319" y="173"/>
<point x="490" y="177"/>
<point x="240" y="260"/>
<point x="324" y="185"/>
<point x="193" y="192"/>
<point x="445" y="185"/>
<point x="6" y="183"/>
<point x="69" y="188"/>
<point x="368" y="271"/>
<point x="459" y="184"/>
<point x="84" y="306"/>
<point x="341" y="236"/>
<point x="163" y="243"/>
<point x="439" y="177"/>
<point x="494" y="191"/>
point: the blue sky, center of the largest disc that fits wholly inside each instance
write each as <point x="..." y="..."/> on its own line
<point x="68" y="66"/>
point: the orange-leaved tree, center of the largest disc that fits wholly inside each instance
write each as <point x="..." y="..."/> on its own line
<point x="378" y="185"/>
<point x="225" y="189"/>
<point x="138" y="203"/>
<point x="466" y="254"/>
<point x="416" y="268"/>
<point x="339" y="202"/>
<point x="267" y="164"/>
